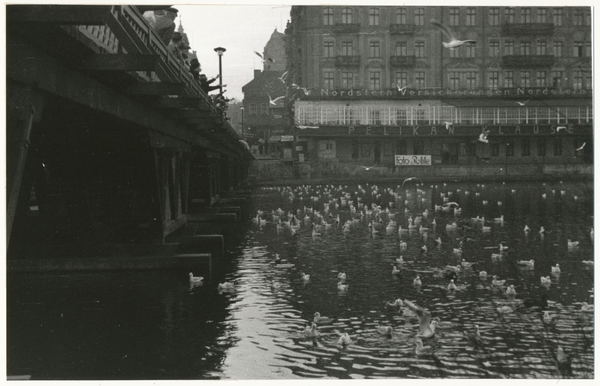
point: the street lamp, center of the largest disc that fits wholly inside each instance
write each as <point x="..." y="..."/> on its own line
<point x="242" y="108"/>
<point x="219" y="51"/>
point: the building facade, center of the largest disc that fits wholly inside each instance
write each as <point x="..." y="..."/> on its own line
<point x="380" y="86"/>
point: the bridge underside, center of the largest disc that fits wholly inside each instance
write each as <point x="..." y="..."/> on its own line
<point x="99" y="156"/>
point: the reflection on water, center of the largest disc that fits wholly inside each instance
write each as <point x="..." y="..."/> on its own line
<point x="155" y="326"/>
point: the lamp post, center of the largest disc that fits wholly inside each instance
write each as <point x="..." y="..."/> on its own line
<point x="242" y="108"/>
<point x="219" y="51"/>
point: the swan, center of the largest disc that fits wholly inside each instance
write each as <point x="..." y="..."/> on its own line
<point x="483" y="274"/>
<point x="466" y="264"/>
<point x="341" y="286"/>
<point x="426" y="325"/>
<point x="572" y="244"/>
<point x="497" y="282"/>
<point x="305" y="276"/>
<point x="195" y="279"/>
<point x="422" y="350"/>
<point x="318" y="319"/>
<point x="396" y="271"/>
<point x="417" y="281"/>
<point x="452" y="286"/>
<point x="545" y="280"/>
<point x="510" y="291"/>
<point x="341" y="276"/>
<point x="556" y="269"/>
<point x="226" y="286"/>
<point x="311" y="331"/>
<point x="526" y="263"/>
<point x="344" y="340"/>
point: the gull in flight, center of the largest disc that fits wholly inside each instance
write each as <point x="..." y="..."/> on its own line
<point x="522" y="103"/>
<point x="448" y="125"/>
<point x="282" y="77"/>
<point x="562" y="128"/>
<point x="580" y="147"/>
<point x="454" y="42"/>
<point x="264" y="60"/>
<point x="401" y="88"/>
<point x="367" y="167"/>
<point x="273" y="102"/>
<point x="409" y="179"/>
<point x="296" y="87"/>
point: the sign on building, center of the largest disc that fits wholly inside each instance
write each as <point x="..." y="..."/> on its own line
<point x="413" y="160"/>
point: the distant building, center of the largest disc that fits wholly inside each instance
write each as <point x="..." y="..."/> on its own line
<point x="264" y="121"/>
<point x="382" y="87"/>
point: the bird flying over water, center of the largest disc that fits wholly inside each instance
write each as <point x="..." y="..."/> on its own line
<point x="454" y="42"/>
<point x="409" y="179"/>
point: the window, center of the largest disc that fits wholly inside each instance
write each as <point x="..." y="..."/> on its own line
<point x="588" y="17"/>
<point x="454" y="16"/>
<point x="347" y="80"/>
<point x="375" y="80"/>
<point x="455" y="53"/>
<point x="471" y="20"/>
<point x="588" y="49"/>
<point x="471" y="80"/>
<point x="401" y="16"/>
<point x="401" y="119"/>
<point x="578" y="49"/>
<point x="540" y="48"/>
<point x="454" y="80"/>
<point x="540" y="79"/>
<point x="525" y="48"/>
<point x="470" y="50"/>
<point x="493" y="80"/>
<point x="418" y="146"/>
<point x="525" y="147"/>
<point x="374" y="49"/>
<point x="328" y="49"/>
<point x="420" y="16"/>
<point x="557" y="48"/>
<point x="328" y="80"/>
<point x="557" y="77"/>
<point x="253" y="109"/>
<point x="510" y="147"/>
<point x="264" y="109"/>
<point x="526" y="15"/>
<point x="578" y="17"/>
<point x="420" y="79"/>
<point x="558" y="146"/>
<point x="494" y="48"/>
<point x="509" y="14"/>
<point x="419" y="49"/>
<point x="494" y="16"/>
<point x="509" y="79"/>
<point x="328" y="16"/>
<point x="401" y="49"/>
<point x="401" y="146"/>
<point x="346" y="16"/>
<point x="374" y="16"/>
<point x="525" y="79"/>
<point x="541" y="147"/>
<point x="374" y="117"/>
<point x="347" y="49"/>
<point x="578" y="79"/>
<point x="541" y="16"/>
<point x="509" y="47"/>
<point x="557" y="16"/>
<point x="401" y="79"/>
<point x="494" y="149"/>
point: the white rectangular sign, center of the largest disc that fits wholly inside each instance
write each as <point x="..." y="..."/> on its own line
<point x="413" y="160"/>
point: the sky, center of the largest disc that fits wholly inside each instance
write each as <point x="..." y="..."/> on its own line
<point x="240" y="29"/>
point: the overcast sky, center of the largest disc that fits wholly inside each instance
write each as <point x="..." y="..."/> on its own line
<point x="240" y="29"/>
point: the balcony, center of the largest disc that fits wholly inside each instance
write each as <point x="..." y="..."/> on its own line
<point x="525" y="61"/>
<point x="402" y="61"/>
<point x="528" y="29"/>
<point x="402" y="29"/>
<point x="347" y="61"/>
<point x="346" y="28"/>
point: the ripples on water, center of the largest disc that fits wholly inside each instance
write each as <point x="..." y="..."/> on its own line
<point x="152" y="325"/>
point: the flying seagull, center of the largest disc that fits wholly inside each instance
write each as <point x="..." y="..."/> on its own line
<point x="273" y="102"/>
<point x="264" y="60"/>
<point x="580" y="147"/>
<point x="401" y="88"/>
<point x="282" y="77"/>
<point x="448" y="125"/>
<point x="409" y="179"/>
<point x="454" y="42"/>
<point x="522" y="103"/>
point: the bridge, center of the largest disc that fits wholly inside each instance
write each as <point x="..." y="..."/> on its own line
<point x="109" y="137"/>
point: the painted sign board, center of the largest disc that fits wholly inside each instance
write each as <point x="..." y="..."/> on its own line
<point x="413" y="160"/>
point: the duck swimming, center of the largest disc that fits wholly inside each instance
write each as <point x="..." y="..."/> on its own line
<point x="452" y="286"/>
<point x="417" y="281"/>
<point x="344" y="340"/>
<point x="311" y="331"/>
<point x="556" y="269"/>
<point x="195" y="279"/>
<point x="497" y="282"/>
<point x="318" y="319"/>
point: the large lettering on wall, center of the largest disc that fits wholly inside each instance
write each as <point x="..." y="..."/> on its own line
<point x="412" y="160"/>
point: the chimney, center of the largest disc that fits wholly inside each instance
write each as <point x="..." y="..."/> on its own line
<point x="256" y="73"/>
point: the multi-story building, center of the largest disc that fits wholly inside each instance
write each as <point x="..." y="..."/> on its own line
<point x="382" y="86"/>
<point x="264" y="119"/>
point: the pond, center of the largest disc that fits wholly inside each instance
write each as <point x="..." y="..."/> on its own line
<point x="155" y="325"/>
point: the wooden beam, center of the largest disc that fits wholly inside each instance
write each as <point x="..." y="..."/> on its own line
<point x="156" y="88"/>
<point x="59" y="14"/>
<point x="119" y="62"/>
<point x="185" y="114"/>
<point x="177" y="103"/>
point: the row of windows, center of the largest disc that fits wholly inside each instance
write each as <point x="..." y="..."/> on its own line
<point x="259" y="109"/>
<point x="511" y="15"/>
<point x="526" y="48"/>
<point x="463" y="149"/>
<point x="461" y="80"/>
